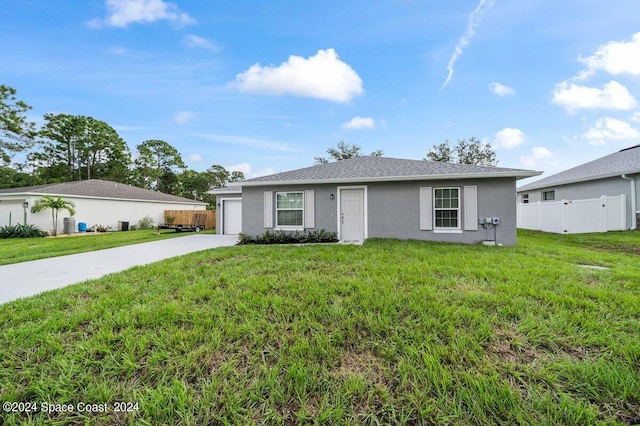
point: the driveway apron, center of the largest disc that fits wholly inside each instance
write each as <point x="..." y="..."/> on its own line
<point x="26" y="279"/>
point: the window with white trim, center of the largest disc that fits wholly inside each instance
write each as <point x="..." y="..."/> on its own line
<point x="446" y="208"/>
<point x="548" y="195"/>
<point x="525" y="198"/>
<point x="290" y="209"/>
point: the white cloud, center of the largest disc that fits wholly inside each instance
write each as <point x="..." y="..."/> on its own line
<point x="474" y="21"/>
<point x="615" y="57"/>
<point x="610" y="129"/>
<point x="501" y="89"/>
<point x="183" y="117"/>
<point x="248" y="171"/>
<point x="322" y="76"/>
<point x="192" y="40"/>
<point x="196" y="158"/>
<point x="124" y="12"/>
<point x="540" y="152"/>
<point x="613" y="95"/>
<point x="359" y="123"/>
<point x="509" y="138"/>
<point x="636" y="117"/>
<point x="528" y="161"/>
<point x="537" y="153"/>
<point x="118" y="51"/>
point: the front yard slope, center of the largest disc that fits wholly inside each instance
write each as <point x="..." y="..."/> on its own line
<point x="393" y="332"/>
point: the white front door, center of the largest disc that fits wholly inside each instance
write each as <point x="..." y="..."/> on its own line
<point x="352" y="214"/>
<point x="231" y="216"/>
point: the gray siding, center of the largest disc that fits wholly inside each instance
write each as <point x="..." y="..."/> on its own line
<point x="394" y="210"/>
<point x="591" y="189"/>
<point x="253" y="206"/>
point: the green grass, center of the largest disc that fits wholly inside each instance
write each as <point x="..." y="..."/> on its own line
<point x="393" y="332"/>
<point x="16" y="250"/>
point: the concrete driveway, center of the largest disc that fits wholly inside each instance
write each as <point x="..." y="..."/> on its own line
<point x="25" y="279"/>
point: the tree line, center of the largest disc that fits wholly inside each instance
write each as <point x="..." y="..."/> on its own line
<point x="77" y="147"/>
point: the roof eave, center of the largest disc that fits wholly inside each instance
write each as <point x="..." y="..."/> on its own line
<point x="518" y="175"/>
<point x="535" y="185"/>
<point x="40" y="194"/>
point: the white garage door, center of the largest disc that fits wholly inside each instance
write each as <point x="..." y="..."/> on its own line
<point x="231" y="216"/>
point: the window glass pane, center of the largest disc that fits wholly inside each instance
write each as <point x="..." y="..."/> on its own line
<point x="447" y="207"/>
<point x="289" y="217"/>
<point x="289" y="200"/>
<point x="447" y="218"/>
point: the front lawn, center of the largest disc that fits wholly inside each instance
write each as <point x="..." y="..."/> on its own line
<point x="16" y="250"/>
<point x="393" y="332"/>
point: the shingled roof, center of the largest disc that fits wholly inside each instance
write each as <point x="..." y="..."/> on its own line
<point x="626" y="161"/>
<point x="95" y="188"/>
<point x="380" y="169"/>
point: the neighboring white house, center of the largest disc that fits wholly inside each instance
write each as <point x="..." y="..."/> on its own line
<point x="598" y="196"/>
<point x="97" y="202"/>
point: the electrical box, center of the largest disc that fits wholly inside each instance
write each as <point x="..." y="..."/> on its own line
<point x="495" y="220"/>
<point x="481" y="221"/>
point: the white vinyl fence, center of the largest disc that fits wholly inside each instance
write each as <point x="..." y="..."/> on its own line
<point x="575" y="216"/>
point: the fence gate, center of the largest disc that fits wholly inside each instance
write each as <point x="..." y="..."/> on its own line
<point x="575" y="216"/>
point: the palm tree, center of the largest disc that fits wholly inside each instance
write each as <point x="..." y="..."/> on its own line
<point x="48" y="202"/>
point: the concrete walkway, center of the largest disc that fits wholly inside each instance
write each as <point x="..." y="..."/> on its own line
<point x="25" y="279"/>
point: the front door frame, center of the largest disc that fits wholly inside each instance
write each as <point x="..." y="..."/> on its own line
<point x="365" y="209"/>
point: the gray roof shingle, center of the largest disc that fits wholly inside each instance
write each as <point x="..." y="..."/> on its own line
<point x="99" y="189"/>
<point x="370" y="169"/>
<point x="626" y="161"/>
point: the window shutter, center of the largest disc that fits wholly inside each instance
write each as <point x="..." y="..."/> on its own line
<point x="268" y="209"/>
<point x="309" y="209"/>
<point x="426" y="209"/>
<point x="470" y="208"/>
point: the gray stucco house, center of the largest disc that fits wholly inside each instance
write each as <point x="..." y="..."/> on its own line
<point x="613" y="175"/>
<point x="378" y="197"/>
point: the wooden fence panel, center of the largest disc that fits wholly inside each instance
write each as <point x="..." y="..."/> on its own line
<point x="185" y="217"/>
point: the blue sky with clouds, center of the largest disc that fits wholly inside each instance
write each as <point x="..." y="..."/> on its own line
<point x="265" y="86"/>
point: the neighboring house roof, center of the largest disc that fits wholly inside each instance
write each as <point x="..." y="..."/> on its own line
<point x="381" y="169"/>
<point x="626" y="161"/>
<point x="95" y="188"/>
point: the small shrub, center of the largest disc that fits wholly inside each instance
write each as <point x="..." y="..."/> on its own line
<point x="168" y="220"/>
<point x="284" y="237"/>
<point x="146" y="223"/>
<point x="21" y="231"/>
<point x="9" y="231"/>
<point x="100" y="228"/>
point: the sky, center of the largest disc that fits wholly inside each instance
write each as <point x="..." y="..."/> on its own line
<point x="266" y="86"/>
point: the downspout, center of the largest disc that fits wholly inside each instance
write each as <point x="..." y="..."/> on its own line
<point x="634" y="207"/>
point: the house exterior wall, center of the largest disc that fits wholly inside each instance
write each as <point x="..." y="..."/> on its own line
<point x="11" y="210"/>
<point x="590" y="189"/>
<point x="394" y="208"/>
<point x="253" y="206"/>
<point x="93" y="211"/>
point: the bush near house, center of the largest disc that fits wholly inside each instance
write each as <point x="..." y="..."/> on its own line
<point x="284" y="237"/>
<point x="21" y="231"/>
